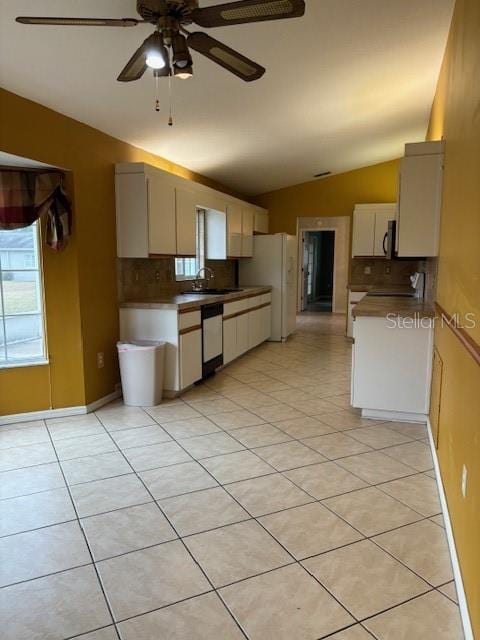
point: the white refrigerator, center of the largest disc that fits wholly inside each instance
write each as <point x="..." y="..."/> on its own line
<point x="274" y="263"/>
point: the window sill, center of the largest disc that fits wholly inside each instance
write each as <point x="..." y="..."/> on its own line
<point x="21" y="365"/>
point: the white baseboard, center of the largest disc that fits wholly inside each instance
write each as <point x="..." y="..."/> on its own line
<point x="457" y="575"/>
<point x="394" y="416"/>
<point x="30" y="416"/>
<point x="93" y="406"/>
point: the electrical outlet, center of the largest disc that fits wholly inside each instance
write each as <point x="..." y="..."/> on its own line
<point x="100" y="360"/>
<point x="388" y="269"/>
<point x="157" y="276"/>
<point x="367" y="271"/>
<point x="136" y="276"/>
<point x="464" y="481"/>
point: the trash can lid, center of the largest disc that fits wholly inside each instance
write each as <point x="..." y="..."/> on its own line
<point x="139" y="345"/>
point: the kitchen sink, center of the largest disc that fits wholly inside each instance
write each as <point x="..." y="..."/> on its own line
<point x="210" y="292"/>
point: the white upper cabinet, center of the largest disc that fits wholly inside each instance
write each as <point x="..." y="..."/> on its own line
<point x="420" y="199"/>
<point x="145" y="206"/>
<point x="260" y="224"/>
<point x="131" y="195"/>
<point x="248" y="217"/>
<point x="363" y="233"/>
<point x="234" y="230"/>
<point x="186" y="222"/>
<point x="370" y="226"/>
<point x="156" y="216"/>
<point x="215" y="234"/>
<point x="161" y="216"/>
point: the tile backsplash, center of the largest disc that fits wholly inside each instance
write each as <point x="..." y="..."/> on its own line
<point x="393" y="272"/>
<point x="150" y="278"/>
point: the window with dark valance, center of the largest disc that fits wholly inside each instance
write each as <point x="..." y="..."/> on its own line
<point x="27" y="195"/>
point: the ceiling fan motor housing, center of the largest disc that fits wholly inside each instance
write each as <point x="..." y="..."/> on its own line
<point x="152" y="10"/>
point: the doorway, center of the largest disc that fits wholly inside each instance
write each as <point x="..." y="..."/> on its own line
<point x="318" y="270"/>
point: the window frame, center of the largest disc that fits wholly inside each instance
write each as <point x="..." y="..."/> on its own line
<point x="200" y="248"/>
<point x="37" y="269"/>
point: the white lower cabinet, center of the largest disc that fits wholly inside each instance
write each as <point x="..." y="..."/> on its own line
<point x="242" y="334"/>
<point x="392" y="368"/>
<point x="246" y="330"/>
<point x="183" y="337"/>
<point x="229" y="340"/>
<point x="190" y="358"/>
<point x="255" y="328"/>
<point x="266" y="323"/>
<point x="353" y="298"/>
<point x="182" y="333"/>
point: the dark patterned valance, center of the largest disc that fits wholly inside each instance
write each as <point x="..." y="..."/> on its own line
<point x="27" y="195"/>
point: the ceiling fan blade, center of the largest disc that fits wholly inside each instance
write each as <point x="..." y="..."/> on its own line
<point x="247" y="11"/>
<point x="135" y="67"/>
<point x="227" y="58"/>
<point x="80" y="22"/>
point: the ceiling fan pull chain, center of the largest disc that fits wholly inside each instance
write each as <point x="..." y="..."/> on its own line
<point x="157" y="100"/>
<point x="170" y="117"/>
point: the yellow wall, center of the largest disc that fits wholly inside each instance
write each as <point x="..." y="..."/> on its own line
<point x="456" y="117"/>
<point x="80" y="282"/>
<point x="333" y="196"/>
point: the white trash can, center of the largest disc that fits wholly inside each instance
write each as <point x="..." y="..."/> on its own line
<point x="141" y="371"/>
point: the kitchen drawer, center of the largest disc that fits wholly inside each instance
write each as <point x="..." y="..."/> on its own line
<point x="256" y="301"/>
<point x="190" y="319"/>
<point x="230" y="308"/>
<point x="266" y="298"/>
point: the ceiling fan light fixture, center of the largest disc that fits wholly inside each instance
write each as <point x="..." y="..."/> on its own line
<point x="181" y="54"/>
<point x="155" y="61"/>
<point x="156" y="55"/>
<point x="183" y="73"/>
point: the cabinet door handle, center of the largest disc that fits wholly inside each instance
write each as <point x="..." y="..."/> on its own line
<point x="384" y="239"/>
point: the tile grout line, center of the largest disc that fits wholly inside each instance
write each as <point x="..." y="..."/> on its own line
<point x="271" y="536"/>
<point x="180" y="540"/>
<point x="353" y="527"/>
<point x="221" y="485"/>
<point x="360" y="532"/>
<point x="85" y="539"/>
<point x="379" y="485"/>
<point x="255" y="518"/>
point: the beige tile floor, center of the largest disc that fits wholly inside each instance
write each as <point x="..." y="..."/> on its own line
<point x="259" y="505"/>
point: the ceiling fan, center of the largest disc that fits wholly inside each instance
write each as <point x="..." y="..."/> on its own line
<point x="169" y="18"/>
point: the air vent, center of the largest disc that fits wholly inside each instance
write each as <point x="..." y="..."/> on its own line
<point x="323" y="174"/>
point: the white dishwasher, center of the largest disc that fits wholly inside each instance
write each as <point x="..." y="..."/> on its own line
<point x="212" y="338"/>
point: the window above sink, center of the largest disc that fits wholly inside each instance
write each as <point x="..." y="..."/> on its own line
<point x="187" y="268"/>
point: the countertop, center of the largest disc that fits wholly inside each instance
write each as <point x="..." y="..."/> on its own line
<point x="382" y="306"/>
<point x="190" y="301"/>
<point x="401" y="288"/>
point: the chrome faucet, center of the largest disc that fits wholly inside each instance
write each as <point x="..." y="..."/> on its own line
<point x="197" y="283"/>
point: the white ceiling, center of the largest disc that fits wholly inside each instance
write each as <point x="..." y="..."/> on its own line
<point x="346" y="86"/>
<point x="9" y="160"/>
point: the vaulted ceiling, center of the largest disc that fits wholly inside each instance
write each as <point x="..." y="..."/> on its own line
<point x="346" y="86"/>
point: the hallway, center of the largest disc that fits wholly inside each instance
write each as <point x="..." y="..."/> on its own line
<point x="260" y="505"/>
